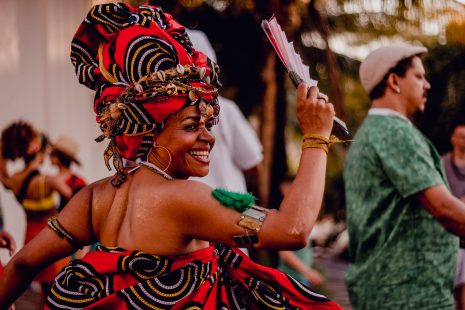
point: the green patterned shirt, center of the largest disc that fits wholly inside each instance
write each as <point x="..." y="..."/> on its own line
<point x="402" y="258"/>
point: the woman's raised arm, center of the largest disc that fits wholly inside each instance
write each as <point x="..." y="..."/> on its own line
<point x="290" y="226"/>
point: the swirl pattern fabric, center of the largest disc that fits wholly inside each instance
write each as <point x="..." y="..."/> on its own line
<point x="116" y="46"/>
<point x="217" y="277"/>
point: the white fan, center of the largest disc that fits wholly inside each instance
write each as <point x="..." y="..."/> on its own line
<point x="296" y="69"/>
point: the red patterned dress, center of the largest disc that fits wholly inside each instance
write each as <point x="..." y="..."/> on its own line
<point x="216" y="277"/>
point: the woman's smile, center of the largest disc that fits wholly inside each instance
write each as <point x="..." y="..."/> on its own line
<point x="200" y="154"/>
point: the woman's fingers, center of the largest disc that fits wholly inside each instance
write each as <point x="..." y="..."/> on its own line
<point x="314" y="112"/>
<point x="310" y="94"/>
<point x="313" y="93"/>
<point x="331" y="108"/>
<point x="302" y="91"/>
<point x="323" y="97"/>
<point x="7" y="241"/>
<point x="12" y="246"/>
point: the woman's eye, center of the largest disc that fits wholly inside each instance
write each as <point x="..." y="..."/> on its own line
<point x="191" y="127"/>
<point x="209" y="126"/>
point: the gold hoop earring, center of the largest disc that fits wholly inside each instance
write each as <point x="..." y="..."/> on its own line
<point x="154" y="146"/>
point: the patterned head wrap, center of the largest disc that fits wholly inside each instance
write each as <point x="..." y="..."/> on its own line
<point x="143" y="68"/>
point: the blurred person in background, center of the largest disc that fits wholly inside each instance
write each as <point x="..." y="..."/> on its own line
<point x="238" y="152"/>
<point x="454" y="166"/>
<point x="400" y="211"/>
<point x="36" y="192"/>
<point x="63" y="154"/>
<point x="167" y="241"/>
<point x="298" y="264"/>
<point x="6" y="239"/>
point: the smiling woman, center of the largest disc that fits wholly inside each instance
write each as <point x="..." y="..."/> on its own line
<point x="188" y="157"/>
<point x="166" y="241"/>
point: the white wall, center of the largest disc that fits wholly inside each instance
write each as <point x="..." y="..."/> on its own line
<point x="38" y="84"/>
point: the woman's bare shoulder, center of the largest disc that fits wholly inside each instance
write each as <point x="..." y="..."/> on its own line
<point x="102" y="185"/>
<point x="190" y="188"/>
<point x="88" y="194"/>
<point x="102" y="193"/>
<point x="177" y="192"/>
<point x="192" y="195"/>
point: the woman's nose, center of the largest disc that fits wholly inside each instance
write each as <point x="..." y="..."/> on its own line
<point x="207" y="135"/>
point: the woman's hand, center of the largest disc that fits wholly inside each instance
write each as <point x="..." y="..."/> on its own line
<point x="7" y="241"/>
<point x="315" y="115"/>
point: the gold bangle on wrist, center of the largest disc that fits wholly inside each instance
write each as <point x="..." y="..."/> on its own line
<point x="316" y="141"/>
<point x="314" y="136"/>
<point x="315" y="144"/>
<point x="312" y="140"/>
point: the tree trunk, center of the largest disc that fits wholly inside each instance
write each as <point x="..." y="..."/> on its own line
<point x="272" y="133"/>
<point x="279" y="162"/>
<point x="321" y="25"/>
<point x="268" y="128"/>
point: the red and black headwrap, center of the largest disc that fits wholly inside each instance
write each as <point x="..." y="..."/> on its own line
<point x="143" y="68"/>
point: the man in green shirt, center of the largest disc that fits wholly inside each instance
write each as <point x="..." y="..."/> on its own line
<point x="398" y="203"/>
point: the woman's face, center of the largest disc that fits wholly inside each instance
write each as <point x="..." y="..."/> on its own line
<point x="189" y="141"/>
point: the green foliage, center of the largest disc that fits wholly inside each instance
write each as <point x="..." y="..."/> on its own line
<point x="455" y="33"/>
<point x="407" y="18"/>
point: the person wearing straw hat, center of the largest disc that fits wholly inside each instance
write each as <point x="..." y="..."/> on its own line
<point x="168" y="242"/>
<point x="400" y="211"/>
<point x="63" y="154"/>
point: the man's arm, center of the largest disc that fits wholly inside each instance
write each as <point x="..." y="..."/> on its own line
<point x="445" y="207"/>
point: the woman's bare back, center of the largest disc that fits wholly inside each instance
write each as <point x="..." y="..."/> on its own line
<point x="33" y="191"/>
<point x="136" y="216"/>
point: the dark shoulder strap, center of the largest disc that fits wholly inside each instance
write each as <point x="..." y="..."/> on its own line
<point x="25" y="185"/>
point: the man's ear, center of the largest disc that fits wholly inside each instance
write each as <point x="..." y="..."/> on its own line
<point x="392" y="82"/>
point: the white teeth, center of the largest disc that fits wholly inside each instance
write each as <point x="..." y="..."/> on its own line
<point x="202" y="157"/>
<point x="199" y="153"/>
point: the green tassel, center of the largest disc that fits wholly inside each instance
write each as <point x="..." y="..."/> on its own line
<point x="234" y="200"/>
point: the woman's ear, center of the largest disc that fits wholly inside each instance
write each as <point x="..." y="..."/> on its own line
<point x="154" y="140"/>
